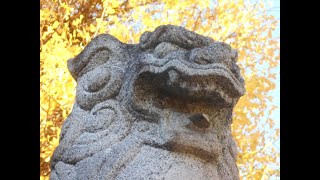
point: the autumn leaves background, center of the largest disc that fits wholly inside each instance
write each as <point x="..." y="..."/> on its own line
<point x="66" y="26"/>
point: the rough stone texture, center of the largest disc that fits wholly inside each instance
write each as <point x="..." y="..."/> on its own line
<point x="160" y="109"/>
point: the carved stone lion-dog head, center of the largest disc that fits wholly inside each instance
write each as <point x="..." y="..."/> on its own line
<point x="160" y="109"/>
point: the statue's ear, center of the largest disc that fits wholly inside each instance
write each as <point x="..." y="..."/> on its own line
<point x="100" y="50"/>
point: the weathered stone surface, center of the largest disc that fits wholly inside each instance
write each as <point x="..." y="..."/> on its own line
<point x="160" y="109"/>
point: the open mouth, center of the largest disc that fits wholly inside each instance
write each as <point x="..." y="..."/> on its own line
<point x="187" y="133"/>
<point x="189" y="98"/>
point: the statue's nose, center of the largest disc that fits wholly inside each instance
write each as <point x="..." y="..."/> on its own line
<point x="217" y="52"/>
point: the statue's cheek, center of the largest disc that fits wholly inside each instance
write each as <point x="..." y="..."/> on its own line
<point x="98" y="85"/>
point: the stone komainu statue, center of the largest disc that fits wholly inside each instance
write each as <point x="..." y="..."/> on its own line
<point x="160" y="109"/>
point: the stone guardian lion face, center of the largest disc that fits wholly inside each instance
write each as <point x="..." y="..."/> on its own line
<point x="173" y="93"/>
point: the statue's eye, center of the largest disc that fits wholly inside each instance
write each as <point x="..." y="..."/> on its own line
<point x="96" y="58"/>
<point x="165" y="48"/>
<point x="96" y="80"/>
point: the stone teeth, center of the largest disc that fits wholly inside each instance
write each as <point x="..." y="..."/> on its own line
<point x="173" y="76"/>
<point x="196" y="87"/>
<point x="183" y="84"/>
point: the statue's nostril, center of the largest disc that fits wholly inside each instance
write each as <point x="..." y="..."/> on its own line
<point x="202" y="61"/>
<point x="164" y="49"/>
<point x="173" y="76"/>
<point x="200" y="120"/>
<point x="214" y="53"/>
<point x="200" y="56"/>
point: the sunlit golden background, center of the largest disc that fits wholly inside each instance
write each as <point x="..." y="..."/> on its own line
<point x="66" y="26"/>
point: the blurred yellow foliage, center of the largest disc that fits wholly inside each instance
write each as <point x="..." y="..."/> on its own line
<point x="66" y="26"/>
